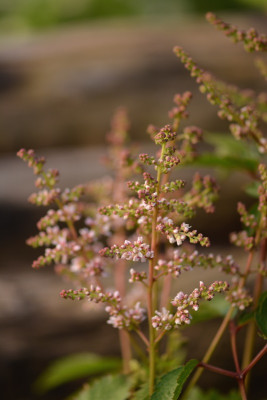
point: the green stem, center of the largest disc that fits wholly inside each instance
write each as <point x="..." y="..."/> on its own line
<point x="152" y="295"/>
<point x="136" y="347"/>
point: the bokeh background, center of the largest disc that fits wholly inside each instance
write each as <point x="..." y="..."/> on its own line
<point x="65" y="66"/>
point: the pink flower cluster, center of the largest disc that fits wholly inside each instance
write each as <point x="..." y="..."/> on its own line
<point x="179" y="234"/>
<point x="244" y="120"/>
<point x="251" y="39"/>
<point x="181" y="103"/>
<point x="165" y="320"/>
<point x="239" y="297"/>
<point x="185" y="261"/>
<point x="204" y="193"/>
<point x="120" y="316"/>
<point x="137" y="251"/>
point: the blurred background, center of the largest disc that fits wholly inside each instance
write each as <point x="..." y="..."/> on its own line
<point x="65" y="66"/>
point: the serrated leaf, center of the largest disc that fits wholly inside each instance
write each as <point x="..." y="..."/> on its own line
<point x="73" y="367"/>
<point x="261" y="314"/>
<point x="142" y="393"/>
<point x="183" y="376"/>
<point x="170" y="385"/>
<point x="165" y="389"/>
<point x="109" y="387"/>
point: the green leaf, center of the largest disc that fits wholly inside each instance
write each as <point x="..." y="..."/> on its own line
<point x="197" y="394"/>
<point x="226" y="145"/>
<point x="170" y="385"/>
<point x="261" y="314"/>
<point x="109" y="387"/>
<point x="228" y="153"/>
<point x="226" y="162"/>
<point x="73" y="367"/>
<point x="142" y="393"/>
<point x="165" y="389"/>
<point x="245" y="317"/>
<point x="183" y="376"/>
<point x="252" y="189"/>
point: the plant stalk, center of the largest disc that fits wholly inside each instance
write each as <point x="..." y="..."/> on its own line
<point x="220" y="331"/>
<point x="251" y="331"/>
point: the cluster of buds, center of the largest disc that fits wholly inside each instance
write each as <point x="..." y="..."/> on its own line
<point x="52" y="235"/>
<point x="93" y="267"/>
<point x="137" y="276"/>
<point x="183" y="261"/>
<point x="249" y="220"/>
<point x="190" y="136"/>
<point x="147" y="160"/>
<point x="146" y="190"/>
<point x="183" y="302"/>
<point x="248" y="238"/>
<point x="62" y="253"/>
<point x="244" y="120"/>
<point x="238" y="297"/>
<point x="137" y="251"/>
<point x="204" y="193"/>
<point x="163" y="320"/>
<point x="172" y="186"/>
<point x="181" y="103"/>
<point x="44" y="197"/>
<point x="169" y="160"/>
<point x="251" y="39"/>
<point x="36" y="163"/>
<point x="165" y="135"/>
<point x="241" y="239"/>
<point x="120" y="316"/>
<point x="73" y="194"/>
<point x="179" y="234"/>
<point x="120" y="157"/>
<point x="119" y="128"/>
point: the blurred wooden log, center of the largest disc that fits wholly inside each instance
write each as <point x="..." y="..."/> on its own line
<point x="61" y="88"/>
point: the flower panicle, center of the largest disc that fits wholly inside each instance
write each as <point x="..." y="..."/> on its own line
<point x="244" y="120"/>
<point x="178" y="234"/>
<point x="185" y="261"/>
<point x="204" y="193"/>
<point x="120" y="316"/>
<point x="179" y="111"/>
<point x="183" y="303"/>
<point x="252" y="40"/>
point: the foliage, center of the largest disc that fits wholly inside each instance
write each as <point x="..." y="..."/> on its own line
<point x="43" y="14"/>
<point x="75" y="366"/>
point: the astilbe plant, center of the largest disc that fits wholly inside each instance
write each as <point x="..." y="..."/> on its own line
<point x="103" y="229"/>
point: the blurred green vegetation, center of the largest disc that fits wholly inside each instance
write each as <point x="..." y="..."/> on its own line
<point x="17" y="15"/>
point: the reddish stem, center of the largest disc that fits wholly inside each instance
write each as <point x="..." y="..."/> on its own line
<point x="218" y="370"/>
<point x="255" y="360"/>
<point x="233" y="331"/>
